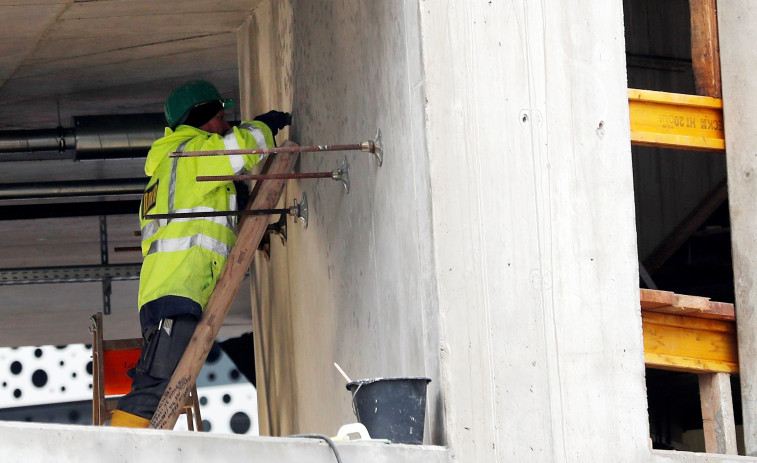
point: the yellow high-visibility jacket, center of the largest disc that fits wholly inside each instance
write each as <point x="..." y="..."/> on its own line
<point x="184" y="257"/>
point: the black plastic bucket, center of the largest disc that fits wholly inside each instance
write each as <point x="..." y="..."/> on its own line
<point x="391" y="408"/>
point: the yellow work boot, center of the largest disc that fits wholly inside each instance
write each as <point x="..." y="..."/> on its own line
<point x="122" y="419"/>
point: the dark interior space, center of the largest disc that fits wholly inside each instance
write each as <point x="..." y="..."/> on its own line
<point x="674" y="191"/>
<point x="674" y="407"/>
<point x="702" y="266"/>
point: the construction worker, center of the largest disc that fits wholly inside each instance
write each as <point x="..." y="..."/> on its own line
<point x="184" y="257"/>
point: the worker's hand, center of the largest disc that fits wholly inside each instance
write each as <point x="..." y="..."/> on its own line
<point x="275" y="120"/>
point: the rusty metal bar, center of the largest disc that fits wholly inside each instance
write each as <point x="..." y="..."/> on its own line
<point x="235" y="178"/>
<point x="341" y="175"/>
<point x="298" y="210"/>
<point x="367" y="146"/>
<point x="195" y="215"/>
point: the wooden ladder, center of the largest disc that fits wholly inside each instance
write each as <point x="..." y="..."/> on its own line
<point x="266" y="195"/>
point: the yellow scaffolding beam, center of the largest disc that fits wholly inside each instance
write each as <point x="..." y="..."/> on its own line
<point x="688" y="333"/>
<point x="697" y="345"/>
<point x="675" y="120"/>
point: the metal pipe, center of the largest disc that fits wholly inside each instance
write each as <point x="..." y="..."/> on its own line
<point x="117" y="136"/>
<point x="367" y="146"/>
<point x="49" y="210"/>
<point x="30" y="141"/>
<point x="121" y="186"/>
<point x="92" y="137"/>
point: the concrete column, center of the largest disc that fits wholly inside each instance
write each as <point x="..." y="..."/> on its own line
<point x="737" y="21"/>
<point x="534" y="233"/>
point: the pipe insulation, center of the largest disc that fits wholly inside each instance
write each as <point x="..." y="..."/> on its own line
<point x="92" y="137"/>
<point x="117" y="136"/>
<point x="29" y="141"/>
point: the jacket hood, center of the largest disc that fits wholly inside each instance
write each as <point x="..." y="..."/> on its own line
<point x="167" y="144"/>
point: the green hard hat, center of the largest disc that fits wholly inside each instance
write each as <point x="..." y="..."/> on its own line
<point x="189" y="95"/>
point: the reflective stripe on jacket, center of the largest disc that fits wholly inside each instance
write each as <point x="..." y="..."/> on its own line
<point x="184" y="257"/>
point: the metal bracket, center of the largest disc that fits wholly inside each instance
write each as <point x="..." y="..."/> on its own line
<point x="375" y="146"/>
<point x="107" y="290"/>
<point x="279" y="228"/>
<point x="103" y="240"/>
<point x="300" y="211"/>
<point x="70" y="274"/>
<point x="343" y="174"/>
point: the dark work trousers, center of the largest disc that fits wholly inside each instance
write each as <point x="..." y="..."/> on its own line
<point x="164" y="344"/>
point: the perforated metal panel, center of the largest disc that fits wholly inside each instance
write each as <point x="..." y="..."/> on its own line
<point x="54" y="385"/>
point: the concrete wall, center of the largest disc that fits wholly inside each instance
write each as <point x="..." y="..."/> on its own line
<point x="534" y="231"/>
<point x="358" y="286"/>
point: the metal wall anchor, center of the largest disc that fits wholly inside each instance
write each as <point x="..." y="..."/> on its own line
<point x="342" y="174"/>
<point x="279" y="228"/>
<point x="300" y="211"/>
<point x="375" y="146"/>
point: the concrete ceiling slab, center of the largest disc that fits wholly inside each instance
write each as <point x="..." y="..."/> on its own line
<point x="60" y="59"/>
<point x="56" y="53"/>
<point x="57" y="62"/>
<point x="129" y="98"/>
<point x="141" y="70"/>
<point x="20" y="40"/>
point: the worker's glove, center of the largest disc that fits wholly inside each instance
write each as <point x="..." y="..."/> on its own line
<point x="275" y="120"/>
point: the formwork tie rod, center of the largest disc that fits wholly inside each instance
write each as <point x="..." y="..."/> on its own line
<point x="368" y="146"/>
<point x="199" y="215"/>
<point x="298" y="211"/>
<point x="335" y="174"/>
<point x="339" y="175"/>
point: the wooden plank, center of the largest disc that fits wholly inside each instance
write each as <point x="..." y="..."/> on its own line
<point x="98" y="371"/>
<point x="667" y="302"/>
<point x="705" y="47"/>
<point x="718" y="419"/>
<point x="231" y="277"/>
<point x="721" y="311"/>
<point x="674" y="120"/>
<point x="654" y="298"/>
<point x="685" y="343"/>
<point x="687" y="303"/>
